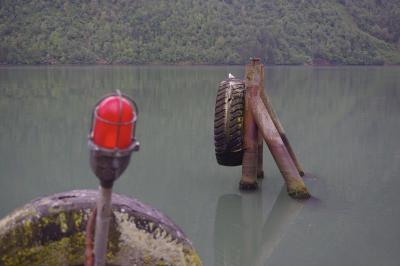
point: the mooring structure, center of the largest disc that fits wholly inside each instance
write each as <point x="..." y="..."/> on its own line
<point x="244" y="119"/>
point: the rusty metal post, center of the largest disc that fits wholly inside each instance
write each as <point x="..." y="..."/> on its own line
<point x="103" y="218"/>
<point x="90" y="226"/>
<point x="254" y="80"/>
<point x="250" y="147"/>
<point x="280" y="129"/>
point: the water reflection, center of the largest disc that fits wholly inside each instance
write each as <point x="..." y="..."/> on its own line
<point x="241" y="235"/>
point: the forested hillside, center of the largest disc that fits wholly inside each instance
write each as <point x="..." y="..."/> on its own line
<point x="199" y="31"/>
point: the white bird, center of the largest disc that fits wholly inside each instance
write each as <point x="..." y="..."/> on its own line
<point x="231" y="76"/>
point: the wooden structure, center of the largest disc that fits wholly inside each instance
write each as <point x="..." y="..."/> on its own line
<point x="261" y="122"/>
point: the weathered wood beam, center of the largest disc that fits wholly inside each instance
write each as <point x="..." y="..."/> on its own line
<point x="259" y="114"/>
<point x="250" y="150"/>
<point x="281" y="130"/>
<point x="260" y="167"/>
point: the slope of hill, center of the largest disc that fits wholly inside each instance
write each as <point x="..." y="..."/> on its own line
<point x="200" y="32"/>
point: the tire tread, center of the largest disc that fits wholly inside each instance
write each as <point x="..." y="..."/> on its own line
<point x="228" y="122"/>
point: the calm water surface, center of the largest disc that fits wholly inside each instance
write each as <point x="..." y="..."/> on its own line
<point x="343" y="123"/>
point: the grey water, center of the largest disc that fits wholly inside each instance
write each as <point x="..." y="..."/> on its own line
<point x="343" y="124"/>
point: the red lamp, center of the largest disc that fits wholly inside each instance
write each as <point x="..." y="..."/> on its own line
<point x="111" y="143"/>
<point x="112" y="136"/>
<point x="114" y="123"/>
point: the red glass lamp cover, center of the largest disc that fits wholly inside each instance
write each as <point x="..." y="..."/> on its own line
<point x="113" y="126"/>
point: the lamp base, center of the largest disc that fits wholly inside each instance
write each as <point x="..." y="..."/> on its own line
<point x="109" y="164"/>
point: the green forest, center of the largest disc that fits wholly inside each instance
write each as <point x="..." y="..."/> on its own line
<point x="199" y="31"/>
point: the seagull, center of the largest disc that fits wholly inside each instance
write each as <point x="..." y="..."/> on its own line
<point x="231" y="76"/>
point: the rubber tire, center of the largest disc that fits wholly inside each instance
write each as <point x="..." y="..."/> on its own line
<point x="228" y="122"/>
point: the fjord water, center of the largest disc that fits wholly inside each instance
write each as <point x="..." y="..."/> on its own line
<point x="343" y="123"/>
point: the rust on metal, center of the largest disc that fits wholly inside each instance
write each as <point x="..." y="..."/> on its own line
<point x="91" y="224"/>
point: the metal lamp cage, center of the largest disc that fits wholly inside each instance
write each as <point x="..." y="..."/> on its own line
<point x="133" y="122"/>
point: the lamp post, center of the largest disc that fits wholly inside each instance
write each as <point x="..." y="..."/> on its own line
<point x="111" y="143"/>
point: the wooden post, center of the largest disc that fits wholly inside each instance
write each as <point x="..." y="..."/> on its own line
<point x="295" y="185"/>
<point x="260" y="168"/>
<point x="280" y="129"/>
<point x="259" y="114"/>
<point x="250" y="156"/>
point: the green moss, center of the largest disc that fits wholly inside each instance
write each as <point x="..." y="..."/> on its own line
<point x="68" y="250"/>
<point x="41" y="235"/>
<point x="299" y="192"/>
<point x="27" y="231"/>
<point x="62" y="220"/>
<point x="44" y="221"/>
<point x="77" y="218"/>
<point x="192" y="258"/>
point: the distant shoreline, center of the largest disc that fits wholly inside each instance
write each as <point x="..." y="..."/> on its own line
<point x="192" y="65"/>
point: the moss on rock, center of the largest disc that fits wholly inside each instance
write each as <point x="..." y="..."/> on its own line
<point x="51" y="231"/>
